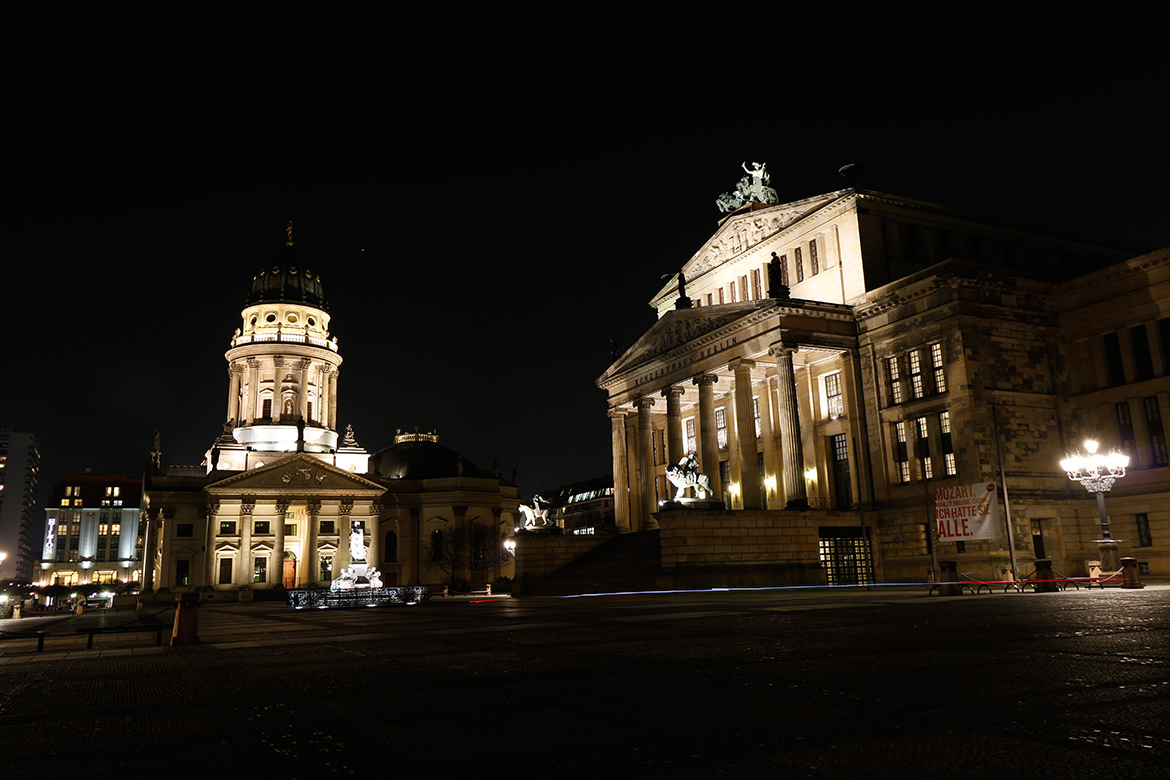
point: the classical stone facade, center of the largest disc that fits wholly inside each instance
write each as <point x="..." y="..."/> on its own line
<point x="284" y="495"/>
<point x="835" y="359"/>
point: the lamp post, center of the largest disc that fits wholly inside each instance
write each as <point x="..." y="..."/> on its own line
<point x="1097" y="473"/>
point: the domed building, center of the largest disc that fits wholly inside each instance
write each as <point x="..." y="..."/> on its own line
<point x="284" y="489"/>
<point x="447" y="519"/>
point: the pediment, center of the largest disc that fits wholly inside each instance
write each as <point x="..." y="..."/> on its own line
<point x="296" y="472"/>
<point x="676" y="329"/>
<point x="742" y="231"/>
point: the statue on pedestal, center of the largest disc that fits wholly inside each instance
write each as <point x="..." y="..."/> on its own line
<point x="687" y="475"/>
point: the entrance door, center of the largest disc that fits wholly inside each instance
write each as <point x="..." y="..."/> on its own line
<point x="289" y="576"/>
<point x="846" y="555"/>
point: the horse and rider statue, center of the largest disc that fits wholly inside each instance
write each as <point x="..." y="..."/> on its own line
<point x="687" y="475"/>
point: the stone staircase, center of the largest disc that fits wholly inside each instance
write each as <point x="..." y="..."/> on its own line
<point x="629" y="562"/>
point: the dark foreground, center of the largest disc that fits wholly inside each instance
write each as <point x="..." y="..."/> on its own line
<point x="849" y="684"/>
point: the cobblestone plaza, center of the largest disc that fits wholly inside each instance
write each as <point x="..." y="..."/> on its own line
<point x="881" y="682"/>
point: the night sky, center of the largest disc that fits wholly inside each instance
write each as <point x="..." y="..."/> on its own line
<point x="488" y="206"/>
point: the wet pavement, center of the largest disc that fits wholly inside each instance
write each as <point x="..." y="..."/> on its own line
<point x="885" y="682"/>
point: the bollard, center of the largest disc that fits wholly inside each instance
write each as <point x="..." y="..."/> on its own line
<point x="1046" y="576"/>
<point x="1131" y="575"/>
<point x="948" y="579"/>
<point x="186" y="631"/>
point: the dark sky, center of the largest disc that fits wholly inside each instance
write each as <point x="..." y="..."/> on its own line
<point x="488" y="206"/>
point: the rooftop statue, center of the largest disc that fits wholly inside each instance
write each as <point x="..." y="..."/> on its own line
<point x="754" y="186"/>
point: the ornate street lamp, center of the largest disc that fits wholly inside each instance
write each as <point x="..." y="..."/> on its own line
<point x="1097" y="473"/>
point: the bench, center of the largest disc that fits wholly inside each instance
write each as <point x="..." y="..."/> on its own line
<point x="131" y="628"/>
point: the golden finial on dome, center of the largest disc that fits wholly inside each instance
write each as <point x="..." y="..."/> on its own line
<point x="288" y="230"/>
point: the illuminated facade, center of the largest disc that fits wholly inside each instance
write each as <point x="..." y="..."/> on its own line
<point x="283" y="487"/>
<point x="92" y="531"/>
<point x="898" y="347"/>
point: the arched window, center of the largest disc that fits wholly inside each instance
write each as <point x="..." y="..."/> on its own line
<point x="390" y="548"/>
<point x="436" y="545"/>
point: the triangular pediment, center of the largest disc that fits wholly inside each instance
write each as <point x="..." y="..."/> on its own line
<point x="297" y="472"/>
<point x="678" y="328"/>
<point x="745" y="230"/>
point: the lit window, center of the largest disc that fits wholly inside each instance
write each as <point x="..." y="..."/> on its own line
<point x="721" y="428"/>
<point x="916" y="386"/>
<point x="936" y="363"/>
<point x="895" y="381"/>
<point x="924" y="448"/>
<point x="799" y="265"/>
<point x="901" y="452"/>
<point x="689" y="428"/>
<point x="950" y="468"/>
<point x="756" y="415"/>
<point x="836" y="402"/>
<point x="260" y="571"/>
<point x="813" y="260"/>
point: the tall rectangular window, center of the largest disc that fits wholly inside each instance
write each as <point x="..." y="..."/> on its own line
<point x="743" y="289"/>
<point x="813" y="261"/>
<point x="950" y="468"/>
<point x="757" y="290"/>
<point x="834" y="400"/>
<point x="1158" y="452"/>
<point x="924" y="448"/>
<point x="1145" y="538"/>
<point x="895" y="380"/>
<point x="689" y="429"/>
<point x="784" y="271"/>
<point x="936" y="365"/>
<point x="1113" y="359"/>
<point x="901" y="452"/>
<point x="260" y="571"/>
<point x="731" y="289"/>
<point x="799" y="265"/>
<point x="225" y="571"/>
<point x="917" y="388"/>
<point x="1125" y="432"/>
<point x="721" y="428"/>
<point x="182" y="572"/>
<point x="756" y="417"/>
<point x="1143" y="361"/>
<point x="721" y="295"/>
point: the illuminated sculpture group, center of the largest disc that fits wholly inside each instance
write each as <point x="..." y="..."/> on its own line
<point x="687" y="475"/>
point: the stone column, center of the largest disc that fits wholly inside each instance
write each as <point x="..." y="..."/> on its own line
<point x="855" y="411"/>
<point x="282" y="505"/>
<point x="790" y="443"/>
<point x="303" y="389"/>
<point x="646" y="461"/>
<point x="344" y="527"/>
<point x="674" y="431"/>
<point x="745" y="424"/>
<point x="634" y="480"/>
<point x="621" y="476"/>
<point x="708" y="440"/>
<point x="243" y="573"/>
<point x="311" y="566"/>
<point x="332" y="424"/>
<point x="233" y="406"/>
<point x="374" y="529"/>
<point x="253" y="404"/>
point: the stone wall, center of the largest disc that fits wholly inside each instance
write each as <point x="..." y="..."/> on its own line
<point x="539" y="556"/>
<point x="716" y="548"/>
